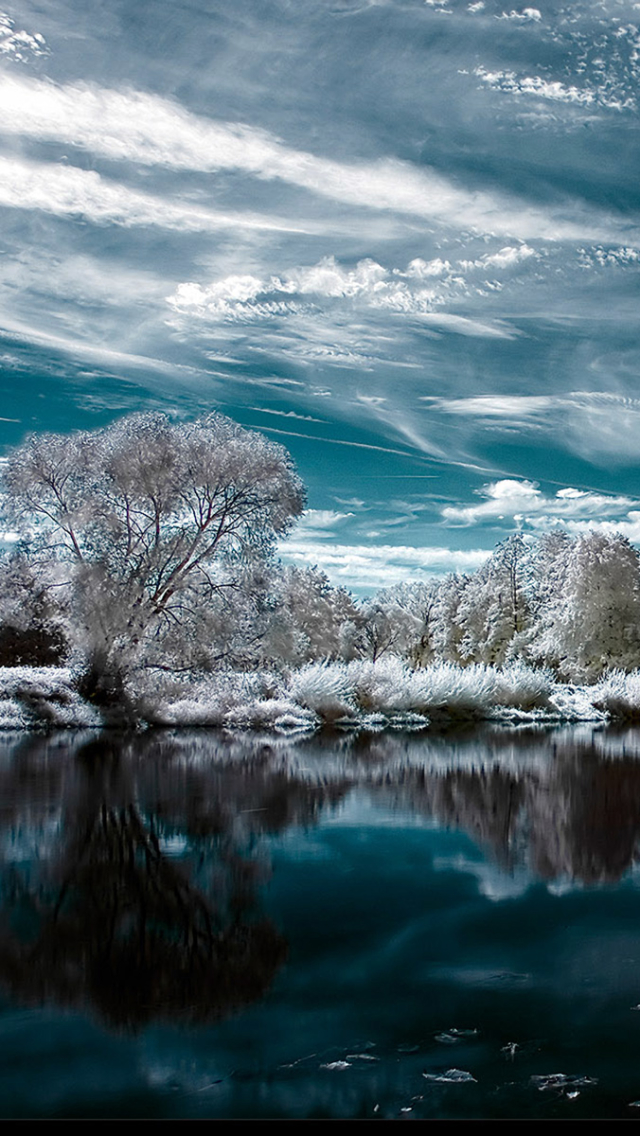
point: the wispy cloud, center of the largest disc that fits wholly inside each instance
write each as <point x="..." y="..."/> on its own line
<point x="524" y="502"/>
<point x="67" y="191"/>
<point x="363" y="567"/>
<point x="597" y="425"/>
<point x="142" y="128"/>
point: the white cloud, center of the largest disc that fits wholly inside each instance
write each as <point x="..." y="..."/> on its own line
<point x="507" y="257"/>
<point x="551" y="89"/>
<point x="67" y="191"/>
<point x="527" y="15"/>
<point x="319" y="523"/>
<point x="364" y="567"/>
<point x="20" y="45"/>
<point x="368" y="285"/>
<point x="513" y="407"/>
<point x="145" y="129"/>
<point x="524" y="502"/>
<point x="287" y="414"/>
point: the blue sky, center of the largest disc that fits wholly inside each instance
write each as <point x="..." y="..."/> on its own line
<point x="401" y="237"/>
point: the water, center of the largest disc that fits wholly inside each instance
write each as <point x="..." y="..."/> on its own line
<point x="394" y="926"/>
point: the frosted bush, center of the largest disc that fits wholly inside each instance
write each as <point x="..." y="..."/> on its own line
<point x="576" y="704"/>
<point x="618" y="695"/>
<point x="386" y="686"/>
<point x="459" y="691"/>
<point x="523" y="687"/>
<point x="45" y="696"/>
<point x="272" y="713"/>
<point x="325" y="689"/>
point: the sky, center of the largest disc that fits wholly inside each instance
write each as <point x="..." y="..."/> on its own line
<point x="400" y="237"/>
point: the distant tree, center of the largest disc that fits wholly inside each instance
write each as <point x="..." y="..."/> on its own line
<point x="410" y="608"/>
<point x="495" y="610"/>
<point x="162" y="525"/>
<point x="32" y="614"/>
<point x="311" y="619"/>
<point x="448" y="631"/>
<point x="592" y="623"/>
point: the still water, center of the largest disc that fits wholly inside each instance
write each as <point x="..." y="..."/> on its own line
<point x="393" y="926"/>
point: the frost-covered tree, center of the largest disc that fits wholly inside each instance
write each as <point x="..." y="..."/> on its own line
<point x="495" y="610"/>
<point x="311" y="619"/>
<point x="448" y="631"/>
<point x="591" y="623"/>
<point x="161" y="524"/>
<point x="410" y="609"/>
<point x="549" y="563"/>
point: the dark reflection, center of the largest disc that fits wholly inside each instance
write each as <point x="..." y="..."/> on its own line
<point x="131" y="865"/>
<point x="97" y="913"/>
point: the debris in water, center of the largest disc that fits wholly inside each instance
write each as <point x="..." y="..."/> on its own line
<point x="363" y="1057"/>
<point x="451" y="1077"/>
<point x="337" y="1065"/>
<point x="573" y="1095"/>
<point x="549" y="1081"/>
<point x="292" y="1064"/>
<point x="447" y="1039"/>
<point x="509" y="1049"/>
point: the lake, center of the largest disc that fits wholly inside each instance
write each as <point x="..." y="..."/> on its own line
<point x="397" y="926"/>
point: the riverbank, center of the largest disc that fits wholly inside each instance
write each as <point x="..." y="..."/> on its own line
<point x="359" y="695"/>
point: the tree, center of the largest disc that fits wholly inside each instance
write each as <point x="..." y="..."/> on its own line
<point x="410" y="609"/>
<point x="311" y="618"/>
<point x="593" y="622"/>
<point x="164" y="527"/>
<point x="494" y="611"/>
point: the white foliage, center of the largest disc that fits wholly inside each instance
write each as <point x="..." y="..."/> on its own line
<point x="324" y="688"/>
<point x="618" y="695"/>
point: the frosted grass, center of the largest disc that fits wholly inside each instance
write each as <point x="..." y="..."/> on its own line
<point x="387" y="694"/>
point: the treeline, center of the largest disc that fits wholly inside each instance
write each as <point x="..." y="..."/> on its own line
<point x="571" y="605"/>
<point x="149" y="547"/>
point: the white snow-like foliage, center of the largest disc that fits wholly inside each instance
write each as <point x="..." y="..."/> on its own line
<point x="43" y="696"/>
<point x="387" y="686"/>
<point x="325" y="689"/>
<point x="618" y="695"/>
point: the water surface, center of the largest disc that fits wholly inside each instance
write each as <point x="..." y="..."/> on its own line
<point x="386" y="926"/>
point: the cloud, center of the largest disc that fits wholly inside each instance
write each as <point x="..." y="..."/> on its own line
<point x="524" y="503"/>
<point x="527" y="15"/>
<point x="319" y="523"/>
<point x="551" y="89"/>
<point x="66" y="191"/>
<point x="291" y="414"/>
<point x="597" y="425"/>
<point x="413" y="292"/>
<point x="142" y="128"/>
<point x="365" y="568"/>
<point x="20" y="46"/>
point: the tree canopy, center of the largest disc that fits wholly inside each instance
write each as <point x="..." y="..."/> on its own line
<point x="159" y="521"/>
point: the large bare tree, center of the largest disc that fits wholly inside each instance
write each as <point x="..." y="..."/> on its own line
<point x="166" y="528"/>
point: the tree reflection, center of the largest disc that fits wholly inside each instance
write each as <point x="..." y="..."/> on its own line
<point x="130" y="867"/>
<point x="102" y="916"/>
